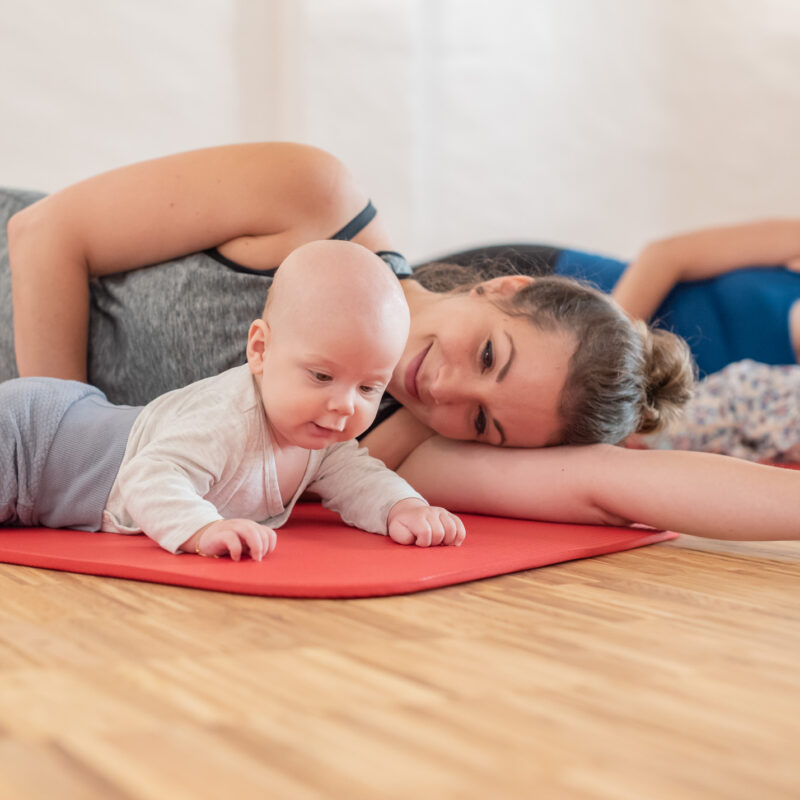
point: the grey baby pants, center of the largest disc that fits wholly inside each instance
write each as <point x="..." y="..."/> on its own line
<point x="61" y="445"/>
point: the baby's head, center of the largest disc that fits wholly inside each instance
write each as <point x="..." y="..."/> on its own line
<point x="334" y="327"/>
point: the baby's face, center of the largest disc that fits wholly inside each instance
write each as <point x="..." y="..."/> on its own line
<point x="322" y="384"/>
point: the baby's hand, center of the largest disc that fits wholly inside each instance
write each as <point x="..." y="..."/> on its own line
<point x="234" y="537"/>
<point x="413" y="522"/>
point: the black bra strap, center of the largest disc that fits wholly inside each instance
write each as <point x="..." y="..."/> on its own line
<point x="358" y="223"/>
<point x="396" y="261"/>
<point x="236" y="266"/>
<point x="353" y="228"/>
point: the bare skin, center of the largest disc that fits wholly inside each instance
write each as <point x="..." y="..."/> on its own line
<point x="256" y="203"/>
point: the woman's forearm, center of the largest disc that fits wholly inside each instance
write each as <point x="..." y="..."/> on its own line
<point x="696" y="493"/>
<point x="555" y="484"/>
<point x="50" y="292"/>
<point x="702" y="494"/>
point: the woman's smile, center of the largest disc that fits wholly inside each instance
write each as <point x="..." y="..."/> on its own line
<point x="412" y="370"/>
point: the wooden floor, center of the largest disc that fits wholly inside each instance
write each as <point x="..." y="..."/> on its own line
<point x="667" y="672"/>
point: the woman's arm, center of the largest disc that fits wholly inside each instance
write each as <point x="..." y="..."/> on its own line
<point x="396" y="437"/>
<point x="696" y="493"/>
<point x="256" y="202"/>
<point x="704" y="254"/>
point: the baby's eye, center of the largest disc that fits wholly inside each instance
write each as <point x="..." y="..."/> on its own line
<point x="369" y="390"/>
<point x="322" y="377"/>
<point x="480" y="421"/>
<point x="487" y="356"/>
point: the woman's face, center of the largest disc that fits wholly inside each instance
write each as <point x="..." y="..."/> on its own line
<point x="470" y="371"/>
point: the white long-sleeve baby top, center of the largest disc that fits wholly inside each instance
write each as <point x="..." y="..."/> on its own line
<point x="203" y="453"/>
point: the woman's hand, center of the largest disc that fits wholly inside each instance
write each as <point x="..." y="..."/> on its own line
<point x="412" y="521"/>
<point x="234" y="537"/>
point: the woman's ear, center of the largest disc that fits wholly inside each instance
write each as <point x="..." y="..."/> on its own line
<point x="257" y="341"/>
<point x="503" y="285"/>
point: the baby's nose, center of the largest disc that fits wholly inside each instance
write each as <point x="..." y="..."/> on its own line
<point x="342" y="402"/>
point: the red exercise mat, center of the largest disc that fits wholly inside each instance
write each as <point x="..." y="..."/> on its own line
<point x="319" y="556"/>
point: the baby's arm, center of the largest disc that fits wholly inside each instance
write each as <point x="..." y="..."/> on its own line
<point x="165" y="500"/>
<point x="163" y="496"/>
<point x="194" y="456"/>
<point x="181" y="471"/>
<point x="368" y="495"/>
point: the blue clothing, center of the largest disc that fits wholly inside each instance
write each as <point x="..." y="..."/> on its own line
<point x="742" y="314"/>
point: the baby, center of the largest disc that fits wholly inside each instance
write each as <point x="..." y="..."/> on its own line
<point x="215" y="467"/>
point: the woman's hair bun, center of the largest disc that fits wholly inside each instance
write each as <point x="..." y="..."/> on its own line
<point x="670" y="376"/>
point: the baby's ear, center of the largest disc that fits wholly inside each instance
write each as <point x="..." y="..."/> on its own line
<point x="257" y="341"/>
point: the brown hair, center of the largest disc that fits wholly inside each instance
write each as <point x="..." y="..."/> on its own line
<point x="623" y="377"/>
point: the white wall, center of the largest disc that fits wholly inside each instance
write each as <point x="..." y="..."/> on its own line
<point x="91" y="84"/>
<point x="599" y="123"/>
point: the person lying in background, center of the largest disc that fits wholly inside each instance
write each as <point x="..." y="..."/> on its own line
<point x="749" y="409"/>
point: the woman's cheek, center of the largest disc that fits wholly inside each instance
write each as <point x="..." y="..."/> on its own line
<point x="445" y="422"/>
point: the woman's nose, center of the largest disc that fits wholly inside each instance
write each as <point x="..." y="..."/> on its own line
<point x="448" y="387"/>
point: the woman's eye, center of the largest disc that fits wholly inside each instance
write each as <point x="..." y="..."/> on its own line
<point x="487" y="356"/>
<point x="480" y="422"/>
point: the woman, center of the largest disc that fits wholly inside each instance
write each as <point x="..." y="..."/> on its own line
<point x="474" y="367"/>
